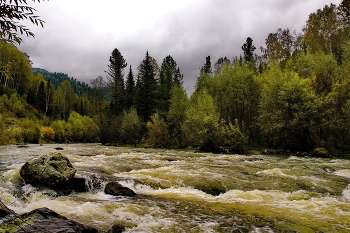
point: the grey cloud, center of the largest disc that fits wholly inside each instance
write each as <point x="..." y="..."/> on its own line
<point x="208" y="27"/>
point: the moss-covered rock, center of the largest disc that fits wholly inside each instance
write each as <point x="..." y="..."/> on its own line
<point x="53" y="170"/>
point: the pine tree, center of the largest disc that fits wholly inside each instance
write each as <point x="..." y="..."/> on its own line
<point x="344" y="12"/>
<point x="248" y="50"/>
<point x="146" y="99"/>
<point x="115" y="76"/>
<point x="169" y="75"/>
<point x="130" y="90"/>
<point x="207" y="66"/>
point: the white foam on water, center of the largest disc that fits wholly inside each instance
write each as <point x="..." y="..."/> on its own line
<point x="262" y="230"/>
<point x="344" y="173"/>
<point x="275" y="172"/>
<point x="346" y="194"/>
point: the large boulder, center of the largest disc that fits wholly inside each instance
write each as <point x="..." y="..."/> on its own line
<point x="53" y="170"/>
<point x="321" y="152"/>
<point x="116" y="189"/>
<point x="45" y="220"/>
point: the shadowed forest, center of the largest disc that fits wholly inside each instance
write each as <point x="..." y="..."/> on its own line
<point x="294" y="95"/>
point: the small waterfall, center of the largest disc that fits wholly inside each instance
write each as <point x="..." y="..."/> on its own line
<point x="95" y="183"/>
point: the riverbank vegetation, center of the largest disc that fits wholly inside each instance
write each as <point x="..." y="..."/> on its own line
<point x="293" y="96"/>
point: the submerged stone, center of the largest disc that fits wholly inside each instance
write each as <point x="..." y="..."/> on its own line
<point x="116" y="229"/>
<point x="116" y="189"/>
<point x="53" y="170"/>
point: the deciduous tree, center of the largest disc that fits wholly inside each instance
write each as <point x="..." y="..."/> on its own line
<point x="11" y="13"/>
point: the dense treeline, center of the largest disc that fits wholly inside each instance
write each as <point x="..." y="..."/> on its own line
<point x="57" y="78"/>
<point x="295" y="96"/>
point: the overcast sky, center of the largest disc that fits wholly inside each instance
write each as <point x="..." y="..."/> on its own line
<point x="80" y="35"/>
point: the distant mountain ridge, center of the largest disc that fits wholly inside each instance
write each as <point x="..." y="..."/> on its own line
<point x="57" y="78"/>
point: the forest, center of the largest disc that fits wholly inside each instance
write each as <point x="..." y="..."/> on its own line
<point x="294" y="96"/>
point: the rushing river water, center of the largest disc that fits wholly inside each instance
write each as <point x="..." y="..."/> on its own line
<point x="182" y="191"/>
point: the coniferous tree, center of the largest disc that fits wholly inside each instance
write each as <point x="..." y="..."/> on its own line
<point x="169" y="76"/>
<point x="207" y="66"/>
<point x="146" y="101"/>
<point x="344" y="12"/>
<point x="130" y="90"/>
<point x="248" y="50"/>
<point x="115" y="76"/>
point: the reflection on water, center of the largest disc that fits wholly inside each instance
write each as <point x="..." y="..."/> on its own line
<point x="182" y="191"/>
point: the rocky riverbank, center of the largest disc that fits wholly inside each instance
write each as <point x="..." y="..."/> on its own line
<point x="54" y="171"/>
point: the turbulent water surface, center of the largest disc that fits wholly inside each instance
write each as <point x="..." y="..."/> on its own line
<point x="182" y="191"/>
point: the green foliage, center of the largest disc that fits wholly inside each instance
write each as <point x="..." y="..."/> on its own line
<point x="90" y="130"/>
<point x="157" y="132"/>
<point x="146" y="88"/>
<point x="178" y="104"/>
<point x="287" y="109"/>
<point x="76" y="125"/>
<point x="202" y="126"/>
<point x="203" y="81"/>
<point x="206" y="68"/>
<point x="130" y="91"/>
<point x="57" y="78"/>
<point x="63" y="100"/>
<point x="11" y="14"/>
<point x="131" y="127"/>
<point x="30" y="131"/>
<point x="47" y="134"/>
<point x="10" y="130"/>
<point x="62" y="131"/>
<point x="236" y="94"/>
<point x="82" y="128"/>
<point x="176" y="115"/>
<point x="248" y="50"/>
<point x="235" y="138"/>
<point x="170" y="75"/>
<point x="279" y="46"/>
<point x="298" y="101"/>
<point x="325" y="32"/>
<point x="115" y="76"/>
<point x="15" y="70"/>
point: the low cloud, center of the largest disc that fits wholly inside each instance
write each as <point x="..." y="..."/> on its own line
<point x="79" y="42"/>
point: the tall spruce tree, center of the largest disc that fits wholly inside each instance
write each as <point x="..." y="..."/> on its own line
<point x="115" y="76"/>
<point x="169" y="75"/>
<point x="130" y="90"/>
<point x="146" y="96"/>
<point x="207" y="66"/>
<point x="344" y="12"/>
<point x="248" y="50"/>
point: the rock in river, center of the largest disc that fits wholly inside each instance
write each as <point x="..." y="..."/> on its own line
<point x="53" y="170"/>
<point x="116" y="189"/>
<point x="45" y="220"/>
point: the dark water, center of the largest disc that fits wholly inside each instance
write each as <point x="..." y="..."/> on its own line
<point x="182" y="191"/>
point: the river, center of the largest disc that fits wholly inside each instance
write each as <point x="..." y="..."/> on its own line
<point x="183" y="191"/>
